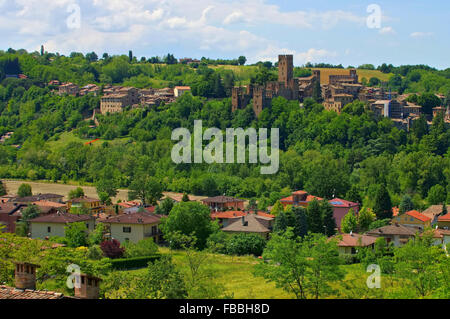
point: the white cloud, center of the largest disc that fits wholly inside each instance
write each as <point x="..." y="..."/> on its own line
<point x="387" y="30"/>
<point x="155" y="25"/>
<point x="421" y="34"/>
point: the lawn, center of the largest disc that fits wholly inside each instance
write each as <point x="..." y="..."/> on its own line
<point x="236" y="275"/>
<point x="65" y="138"/>
<point x="326" y="72"/>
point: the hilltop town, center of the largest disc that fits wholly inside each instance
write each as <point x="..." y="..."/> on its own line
<point x="88" y="179"/>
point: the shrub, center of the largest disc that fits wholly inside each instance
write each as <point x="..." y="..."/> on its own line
<point x="130" y="263"/>
<point x="246" y="244"/>
<point x="146" y="247"/>
<point x="112" y="249"/>
<point x="217" y="242"/>
<point x="95" y="253"/>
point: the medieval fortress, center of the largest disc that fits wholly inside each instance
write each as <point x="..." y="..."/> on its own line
<point x="340" y="90"/>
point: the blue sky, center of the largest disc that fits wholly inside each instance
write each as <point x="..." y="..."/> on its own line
<point x="410" y="31"/>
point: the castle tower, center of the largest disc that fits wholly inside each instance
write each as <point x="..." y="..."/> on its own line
<point x="285" y="68"/>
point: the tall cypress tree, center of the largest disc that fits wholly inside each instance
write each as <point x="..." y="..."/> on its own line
<point x="301" y="221"/>
<point x="315" y="220"/>
<point x="2" y="189"/>
<point x="383" y="204"/>
<point x="281" y="223"/>
<point x="328" y="219"/>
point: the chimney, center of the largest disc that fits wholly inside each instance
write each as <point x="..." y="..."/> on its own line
<point x="88" y="287"/>
<point x="25" y="275"/>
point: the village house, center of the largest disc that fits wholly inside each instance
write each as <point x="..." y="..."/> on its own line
<point x="9" y="215"/>
<point x="69" y="89"/>
<point x="395" y="233"/>
<point x="441" y="237"/>
<point x="349" y="243"/>
<point x="224" y="203"/>
<point x="225" y="218"/>
<point x="250" y="224"/>
<point x="434" y="211"/>
<point x="180" y="90"/>
<point x="134" y="226"/>
<point x="413" y="219"/>
<point x="444" y="221"/>
<point x="54" y="224"/>
<point x="341" y="207"/>
<point x="25" y="286"/>
<point x="90" y="205"/>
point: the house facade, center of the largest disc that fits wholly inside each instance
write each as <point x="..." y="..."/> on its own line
<point x="54" y="224"/>
<point x="134" y="227"/>
<point x="413" y="219"/>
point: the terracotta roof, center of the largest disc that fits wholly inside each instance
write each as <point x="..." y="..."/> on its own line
<point x="434" y="210"/>
<point x="183" y="87"/>
<point x="222" y="199"/>
<point x="337" y="202"/>
<point x="395" y="211"/>
<point x="440" y="233"/>
<point x="62" y="218"/>
<point x="445" y="218"/>
<point x="134" y="218"/>
<point x="355" y="240"/>
<point x="84" y="200"/>
<point x="13" y="293"/>
<point x="415" y="214"/>
<point x="395" y="229"/>
<point x="309" y="198"/>
<point x="228" y="214"/>
<point x="247" y="224"/>
<point x="47" y="203"/>
<point x="9" y="208"/>
<point x="35" y="198"/>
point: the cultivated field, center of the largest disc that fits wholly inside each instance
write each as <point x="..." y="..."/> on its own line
<point x="64" y="189"/>
<point x="326" y="72"/>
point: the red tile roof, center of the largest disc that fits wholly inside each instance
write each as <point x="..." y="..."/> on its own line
<point x="62" y="218"/>
<point x="13" y="293"/>
<point x="134" y="218"/>
<point x="445" y="218"/>
<point x="237" y="213"/>
<point x="417" y="215"/>
<point x="356" y="240"/>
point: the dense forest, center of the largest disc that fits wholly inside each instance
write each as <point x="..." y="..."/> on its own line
<point x="351" y="155"/>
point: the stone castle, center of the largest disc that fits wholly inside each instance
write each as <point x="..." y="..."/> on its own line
<point x="287" y="86"/>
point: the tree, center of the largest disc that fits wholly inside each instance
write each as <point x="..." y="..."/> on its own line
<point x="24" y="190"/>
<point x="145" y="247"/>
<point x="406" y="204"/>
<point x="277" y="208"/>
<point x="112" y="249"/>
<point x="92" y="57"/>
<point x="96" y="237"/>
<point x="246" y="244"/>
<point x="146" y="188"/>
<point x="185" y="197"/>
<point x="305" y="267"/>
<point x="329" y="222"/>
<point x="76" y="193"/>
<point x="163" y="280"/>
<point x="418" y="262"/>
<point x="29" y="213"/>
<point x="383" y="205"/>
<point x="3" y="191"/>
<point x="164" y="207"/>
<point x="130" y="56"/>
<point x="365" y="218"/>
<point x="76" y="234"/>
<point x="315" y="219"/>
<point x="436" y="195"/>
<point x="190" y="219"/>
<point x="242" y="59"/>
<point x="349" y="222"/>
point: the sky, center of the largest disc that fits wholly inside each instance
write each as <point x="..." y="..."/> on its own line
<point x="352" y="32"/>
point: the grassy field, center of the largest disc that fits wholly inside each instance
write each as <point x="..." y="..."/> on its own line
<point x="244" y="73"/>
<point x="325" y="73"/>
<point x="236" y="275"/>
<point x="67" y="137"/>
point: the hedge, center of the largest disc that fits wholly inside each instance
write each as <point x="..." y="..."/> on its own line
<point x="130" y="263"/>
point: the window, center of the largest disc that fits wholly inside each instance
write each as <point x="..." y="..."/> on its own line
<point x="127" y="229"/>
<point x="87" y="225"/>
<point x="49" y="229"/>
